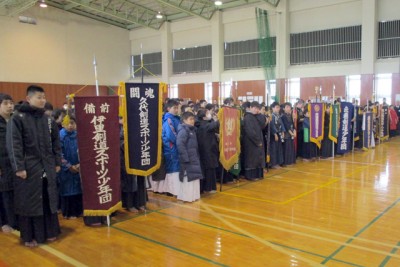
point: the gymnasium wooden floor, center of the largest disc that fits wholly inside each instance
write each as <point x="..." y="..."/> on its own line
<point x="341" y="212"/>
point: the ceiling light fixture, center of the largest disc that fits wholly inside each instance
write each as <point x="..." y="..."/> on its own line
<point x="42" y="3"/>
<point x="218" y="3"/>
<point x="159" y="15"/>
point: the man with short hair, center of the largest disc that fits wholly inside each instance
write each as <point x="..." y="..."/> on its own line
<point x="171" y="121"/>
<point x="33" y="146"/>
<point x="276" y="137"/>
<point x="203" y="103"/>
<point x="253" y="143"/>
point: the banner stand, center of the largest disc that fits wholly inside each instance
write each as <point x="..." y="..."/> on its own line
<point x="222" y="179"/>
<point x="229" y="145"/>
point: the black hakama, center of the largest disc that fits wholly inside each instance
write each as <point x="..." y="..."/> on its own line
<point x="7" y="215"/>
<point x="209" y="183"/>
<point x="289" y="152"/>
<point x="254" y="174"/>
<point x="72" y="206"/>
<point x="310" y="150"/>
<point x="40" y="228"/>
<point x="276" y="155"/>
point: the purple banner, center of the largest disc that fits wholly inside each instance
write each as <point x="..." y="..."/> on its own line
<point x="316" y="111"/>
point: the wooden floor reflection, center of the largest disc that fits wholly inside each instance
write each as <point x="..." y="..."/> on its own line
<point x="334" y="212"/>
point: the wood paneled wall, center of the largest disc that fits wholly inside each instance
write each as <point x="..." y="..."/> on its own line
<point x="215" y="92"/>
<point x="194" y="91"/>
<point x="280" y="90"/>
<point x="244" y="88"/>
<point x="55" y="93"/>
<point x="308" y="85"/>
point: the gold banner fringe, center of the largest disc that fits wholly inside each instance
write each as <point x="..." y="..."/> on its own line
<point x="228" y="163"/>
<point x="318" y="140"/>
<point x="116" y="207"/>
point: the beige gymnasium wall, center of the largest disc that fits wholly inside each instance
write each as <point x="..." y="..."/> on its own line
<point x="60" y="49"/>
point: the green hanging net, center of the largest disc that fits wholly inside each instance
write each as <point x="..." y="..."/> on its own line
<point x="266" y="48"/>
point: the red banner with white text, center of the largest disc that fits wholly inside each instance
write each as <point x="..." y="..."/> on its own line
<point x="98" y="143"/>
<point x="229" y="132"/>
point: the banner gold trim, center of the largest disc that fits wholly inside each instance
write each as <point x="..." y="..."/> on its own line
<point x="228" y="163"/>
<point x="114" y="208"/>
<point x="318" y="140"/>
<point x="161" y="88"/>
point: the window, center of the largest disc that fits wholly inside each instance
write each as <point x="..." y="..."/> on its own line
<point x="151" y="61"/>
<point x="208" y="92"/>
<point x="353" y="88"/>
<point x="246" y="54"/>
<point x="192" y="60"/>
<point x="225" y="90"/>
<point x="383" y="88"/>
<point x="332" y="45"/>
<point x="294" y="90"/>
<point x="271" y="97"/>
<point x="389" y="39"/>
<point x="173" y="91"/>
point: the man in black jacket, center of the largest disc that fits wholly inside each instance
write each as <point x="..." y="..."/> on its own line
<point x="34" y="149"/>
<point x="253" y="143"/>
<point x="7" y="216"/>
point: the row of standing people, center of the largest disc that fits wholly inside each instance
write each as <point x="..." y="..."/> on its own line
<point x="191" y="150"/>
<point x="39" y="168"/>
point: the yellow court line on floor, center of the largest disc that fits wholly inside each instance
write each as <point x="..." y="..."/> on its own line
<point x="290" y="224"/>
<point x="287" y="252"/>
<point x="58" y="254"/>
<point x="385" y="253"/>
<point x="330" y="176"/>
<point x="309" y="192"/>
<point x="376" y="163"/>
<point x="365" y="163"/>
<point x="317" y="236"/>
<point x="286" y="201"/>
<point x="251" y="198"/>
<point x="304" y="226"/>
<point x="346" y="190"/>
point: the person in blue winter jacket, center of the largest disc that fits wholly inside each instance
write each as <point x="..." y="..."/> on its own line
<point x="70" y="180"/>
<point x="171" y="121"/>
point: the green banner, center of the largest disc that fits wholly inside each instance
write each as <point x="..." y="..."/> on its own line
<point x="334" y="122"/>
<point x="235" y="170"/>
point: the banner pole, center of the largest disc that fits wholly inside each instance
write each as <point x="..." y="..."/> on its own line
<point x="354" y="125"/>
<point x="331" y="115"/>
<point x="141" y="64"/>
<point x="316" y="94"/>
<point x="97" y="94"/>
<point x="320" y="93"/>
<point x="145" y="181"/>
<point x="95" y="75"/>
<point x="222" y="178"/>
